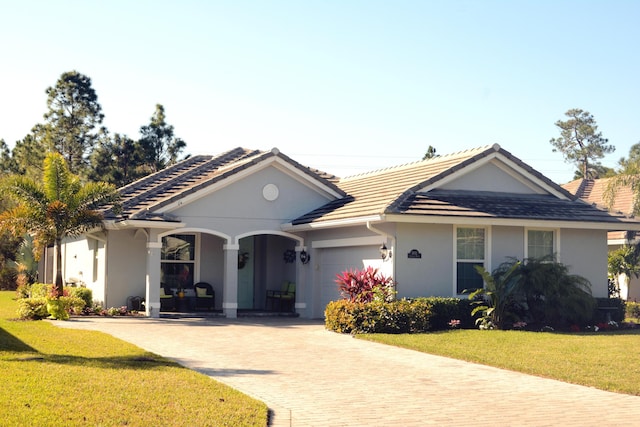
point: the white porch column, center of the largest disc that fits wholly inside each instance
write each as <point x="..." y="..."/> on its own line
<point x="301" y="283"/>
<point x="230" y="285"/>
<point x="152" y="296"/>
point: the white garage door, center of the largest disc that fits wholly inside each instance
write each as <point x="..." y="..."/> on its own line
<point x="336" y="260"/>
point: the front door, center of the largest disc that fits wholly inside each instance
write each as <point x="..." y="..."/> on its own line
<point x="246" y="273"/>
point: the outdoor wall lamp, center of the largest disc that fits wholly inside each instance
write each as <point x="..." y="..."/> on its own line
<point x="304" y="257"/>
<point x="385" y="253"/>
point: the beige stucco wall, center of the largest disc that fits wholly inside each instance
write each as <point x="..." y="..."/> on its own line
<point x="126" y="267"/>
<point x="431" y="275"/>
<point x="585" y="253"/>
<point x="488" y="177"/>
<point x="506" y="242"/>
<point x="240" y="207"/>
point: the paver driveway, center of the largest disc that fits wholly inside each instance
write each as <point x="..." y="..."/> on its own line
<point x="311" y="377"/>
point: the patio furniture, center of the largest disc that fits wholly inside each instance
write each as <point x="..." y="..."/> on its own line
<point x="167" y="299"/>
<point x="287" y="295"/>
<point x="205" y="296"/>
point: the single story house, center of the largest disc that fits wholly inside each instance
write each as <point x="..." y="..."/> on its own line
<point x="247" y="221"/>
<point x="593" y="191"/>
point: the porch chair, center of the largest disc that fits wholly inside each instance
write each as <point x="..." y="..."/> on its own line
<point x="167" y="299"/>
<point x="205" y="296"/>
<point x="287" y="295"/>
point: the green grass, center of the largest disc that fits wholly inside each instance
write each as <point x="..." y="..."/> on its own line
<point x="57" y="376"/>
<point x="608" y="361"/>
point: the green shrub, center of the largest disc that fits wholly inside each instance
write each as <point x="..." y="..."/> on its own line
<point x="38" y="290"/>
<point x="397" y="317"/>
<point x="84" y="294"/>
<point x="444" y="310"/>
<point x="632" y="309"/>
<point x="32" y="308"/>
<point x="608" y="309"/>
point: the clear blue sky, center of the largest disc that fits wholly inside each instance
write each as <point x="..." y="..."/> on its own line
<point x="344" y="86"/>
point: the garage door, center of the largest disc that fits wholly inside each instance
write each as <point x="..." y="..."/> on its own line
<point x="336" y="260"/>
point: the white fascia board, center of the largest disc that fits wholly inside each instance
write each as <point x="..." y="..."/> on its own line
<point x="275" y="161"/>
<point x="507" y="166"/>
<point x="457" y="174"/>
<point x="416" y="219"/>
<point x="531" y="178"/>
<point x="332" y="224"/>
<point x="341" y="243"/>
<point x="136" y="223"/>
<point x="306" y="179"/>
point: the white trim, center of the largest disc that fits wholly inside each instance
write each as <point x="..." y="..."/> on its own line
<point x="341" y="243"/>
<point x="230" y="305"/>
<point x="486" y="262"/>
<point x="195" y="230"/>
<point x="137" y="223"/>
<point x="490" y="221"/>
<point x="333" y="223"/>
<point x="556" y="240"/>
<point x="301" y="305"/>
<point x="231" y="247"/>
<point x="534" y="183"/>
<point x="298" y="239"/>
<point x="275" y="161"/>
<point x="154" y="245"/>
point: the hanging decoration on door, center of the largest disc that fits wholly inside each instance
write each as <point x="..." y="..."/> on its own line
<point x="243" y="257"/>
<point x="289" y="256"/>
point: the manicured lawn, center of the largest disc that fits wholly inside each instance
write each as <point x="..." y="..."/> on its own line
<point x="56" y="376"/>
<point x="608" y="361"/>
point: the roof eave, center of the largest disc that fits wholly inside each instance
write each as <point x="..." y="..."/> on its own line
<point x="139" y="223"/>
<point x="517" y="222"/>
<point x="346" y="222"/>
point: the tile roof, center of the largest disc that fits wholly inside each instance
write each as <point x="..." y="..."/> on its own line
<point x="142" y="198"/>
<point x="594" y="190"/>
<point x="372" y="193"/>
<point x="479" y="204"/>
<point x="394" y="190"/>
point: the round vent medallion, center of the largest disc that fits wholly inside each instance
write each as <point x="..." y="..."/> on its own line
<point x="270" y="192"/>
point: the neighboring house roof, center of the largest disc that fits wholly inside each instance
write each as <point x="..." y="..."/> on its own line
<point x="412" y="190"/>
<point x="594" y="190"/>
<point x="142" y="199"/>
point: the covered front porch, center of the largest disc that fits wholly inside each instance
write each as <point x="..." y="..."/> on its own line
<point x="259" y="274"/>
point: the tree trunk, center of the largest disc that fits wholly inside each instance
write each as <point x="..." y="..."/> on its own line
<point x="59" y="283"/>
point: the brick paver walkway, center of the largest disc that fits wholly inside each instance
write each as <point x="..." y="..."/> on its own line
<point x="311" y="377"/>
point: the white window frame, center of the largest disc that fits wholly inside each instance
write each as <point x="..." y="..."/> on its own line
<point x="486" y="262"/>
<point x="196" y="255"/>
<point x="556" y="240"/>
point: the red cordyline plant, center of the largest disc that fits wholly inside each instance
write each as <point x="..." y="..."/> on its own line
<point x="365" y="285"/>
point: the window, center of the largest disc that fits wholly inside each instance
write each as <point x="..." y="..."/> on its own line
<point x="470" y="251"/>
<point x="540" y="243"/>
<point x="178" y="260"/>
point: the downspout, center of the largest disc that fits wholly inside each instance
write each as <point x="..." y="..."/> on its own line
<point x="393" y="245"/>
<point x="106" y="258"/>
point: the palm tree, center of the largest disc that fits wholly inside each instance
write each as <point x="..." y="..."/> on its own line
<point x="61" y="206"/>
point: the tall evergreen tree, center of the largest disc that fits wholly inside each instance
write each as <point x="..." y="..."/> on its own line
<point x="580" y="142"/>
<point x="72" y="122"/>
<point x="117" y="160"/>
<point x="160" y="147"/>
